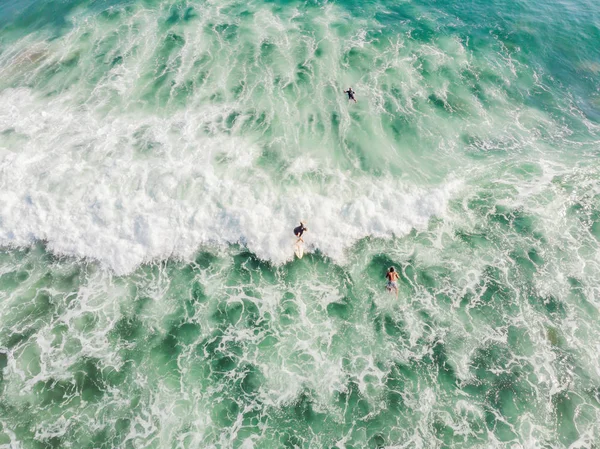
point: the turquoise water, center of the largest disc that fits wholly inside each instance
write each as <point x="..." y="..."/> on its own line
<point x="155" y="156"/>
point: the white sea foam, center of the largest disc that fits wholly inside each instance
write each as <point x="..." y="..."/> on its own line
<point x="106" y="160"/>
<point x="125" y="190"/>
<point x="88" y="169"/>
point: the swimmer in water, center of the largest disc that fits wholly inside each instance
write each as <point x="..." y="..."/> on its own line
<point x="350" y="93"/>
<point x="299" y="230"/>
<point x="392" y="278"/>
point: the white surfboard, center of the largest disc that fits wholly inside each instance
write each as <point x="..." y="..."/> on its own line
<point x="299" y="249"/>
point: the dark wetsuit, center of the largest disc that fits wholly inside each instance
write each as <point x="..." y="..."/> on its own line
<point x="299" y="231"/>
<point x="350" y="93"/>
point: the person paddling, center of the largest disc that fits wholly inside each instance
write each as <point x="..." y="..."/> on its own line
<point x="299" y="230"/>
<point x="351" y="94"/>
<point x="392" y="277"/>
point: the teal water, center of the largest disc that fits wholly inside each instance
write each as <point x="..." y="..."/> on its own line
<point x="155" y="156"/>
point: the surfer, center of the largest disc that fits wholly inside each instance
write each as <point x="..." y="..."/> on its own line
<point x="392" y="278"/>
<point x="350" y="93"/>
<point x="299" y="230"/>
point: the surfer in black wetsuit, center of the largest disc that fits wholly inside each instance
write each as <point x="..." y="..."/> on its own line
<point x="350" y="93"/>
<point x="299" y="230"/>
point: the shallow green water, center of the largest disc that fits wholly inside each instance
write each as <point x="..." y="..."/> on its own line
<point x="154" y="157"/>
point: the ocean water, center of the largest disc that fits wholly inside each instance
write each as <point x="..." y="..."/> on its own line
<point x="155" y="156"/>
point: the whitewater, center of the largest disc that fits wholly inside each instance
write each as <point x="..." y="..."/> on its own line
<point x="155" y="156"/>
